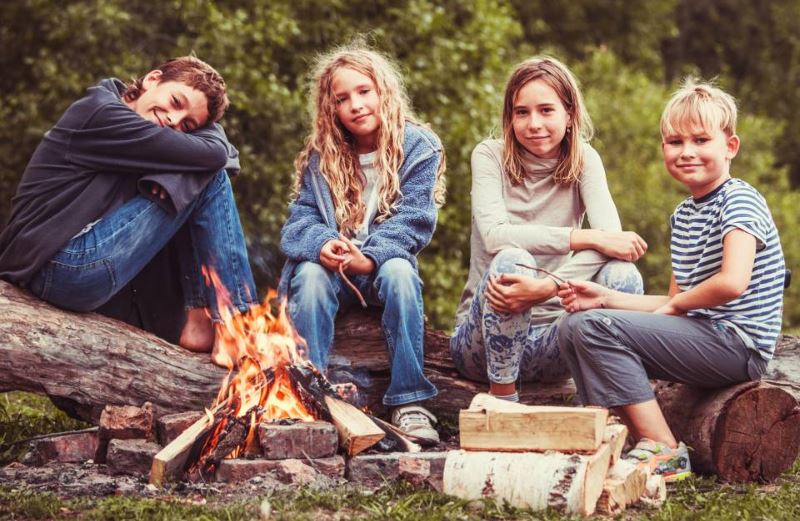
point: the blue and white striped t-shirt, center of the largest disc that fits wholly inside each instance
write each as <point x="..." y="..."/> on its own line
<point x="698" y="228"/>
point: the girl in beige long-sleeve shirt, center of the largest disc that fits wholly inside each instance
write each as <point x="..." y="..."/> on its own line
<point x="530" y="193"/>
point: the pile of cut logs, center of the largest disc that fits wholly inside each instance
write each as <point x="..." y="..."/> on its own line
<point x="566" y="458"/>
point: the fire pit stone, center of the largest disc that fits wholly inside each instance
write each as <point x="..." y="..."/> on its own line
<point x="315" y="439"/>
<point x="73" y="448"/>
<point x="294" y="471"/>
<point x="133" y="457"/>
<point x="171" y="426"/>
<point x="371" y="471"/>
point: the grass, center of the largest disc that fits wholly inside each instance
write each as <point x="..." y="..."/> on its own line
<point x="694" y="499"/>
<point x="23" y="415"/>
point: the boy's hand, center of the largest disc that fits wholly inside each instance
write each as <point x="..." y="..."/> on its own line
<point x="333" y="253"/>
<point x="580" y="295"/>
<point x="356" y="263"/>
<point x="515" y="293"/>
<point x="627" y="246"/>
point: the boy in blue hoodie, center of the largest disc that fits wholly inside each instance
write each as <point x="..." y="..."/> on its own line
<point x="115" y="179"/>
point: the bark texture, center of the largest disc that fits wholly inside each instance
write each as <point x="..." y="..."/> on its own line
<point x="747" y="432"/>
<point x="84" y="362"/>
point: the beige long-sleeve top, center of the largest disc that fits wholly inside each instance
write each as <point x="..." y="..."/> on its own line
<point x="537" y="215"/>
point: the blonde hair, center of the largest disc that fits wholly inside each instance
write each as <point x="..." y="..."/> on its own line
<point x="580" y="130"/>
<point x="336" y="145"/>
<point x="699" y="103"/>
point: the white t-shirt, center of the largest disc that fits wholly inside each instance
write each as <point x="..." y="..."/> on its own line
<point x="369" y="196"/>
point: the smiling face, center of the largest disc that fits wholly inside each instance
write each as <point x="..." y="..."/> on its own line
<point x="357" y="107"/>
<point x="540" y="119"/>
<point x="171" y="104"/>
<point x="699" y="158"/>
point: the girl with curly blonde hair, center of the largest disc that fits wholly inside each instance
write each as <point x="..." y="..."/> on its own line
<point x="369" y="182"/>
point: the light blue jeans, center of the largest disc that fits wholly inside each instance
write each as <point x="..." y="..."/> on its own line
<point x="506" y="347"/>
<point x="97" y="263"/>
<point x="316" y="294"/>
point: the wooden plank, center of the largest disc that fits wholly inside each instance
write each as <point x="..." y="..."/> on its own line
<point x="497" y="425"/>
<point x="170" y="460"/>
<point x="356" y="431"/>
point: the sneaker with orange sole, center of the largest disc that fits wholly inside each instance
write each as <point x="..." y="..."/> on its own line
<point x="658" y="458"/>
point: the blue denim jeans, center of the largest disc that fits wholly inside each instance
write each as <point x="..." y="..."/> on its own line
<point x="98" y="262"/>
<point x="506" y="347"/>
<point x="316" y="294"/>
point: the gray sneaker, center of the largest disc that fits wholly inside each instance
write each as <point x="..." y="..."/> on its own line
<point x="417" y="423"/>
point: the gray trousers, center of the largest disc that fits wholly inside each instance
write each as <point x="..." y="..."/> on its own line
<point x="612" y="354"/>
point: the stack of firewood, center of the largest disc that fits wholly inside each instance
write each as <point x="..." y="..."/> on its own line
<point x="567" y="458"/>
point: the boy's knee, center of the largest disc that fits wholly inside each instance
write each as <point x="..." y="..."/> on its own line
<point x="621" y="276"/>
<point x="507" y="259"/>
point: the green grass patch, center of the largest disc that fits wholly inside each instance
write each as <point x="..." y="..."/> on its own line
<point x="23" y="415"/>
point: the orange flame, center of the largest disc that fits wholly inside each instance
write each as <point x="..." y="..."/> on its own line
<point x="253" y="341"/>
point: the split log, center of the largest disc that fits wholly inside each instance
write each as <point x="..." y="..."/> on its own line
<point x="615" y="435"/>
<point x="357" y="432"/>
<point x="655" y="490"/>
<point x="623" y="486"/>
<point x="569" y="483"/>
<point x="747" y="432"/>
<point x="170" y="461"/>
<point x="497" y="425"/>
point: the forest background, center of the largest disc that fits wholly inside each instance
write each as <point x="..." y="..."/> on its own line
<point x="629" y="55"/>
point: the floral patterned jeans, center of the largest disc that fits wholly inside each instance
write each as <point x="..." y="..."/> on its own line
<point x="506" y="347"/>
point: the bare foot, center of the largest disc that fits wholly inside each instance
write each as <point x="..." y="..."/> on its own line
<point x="221" y="356"/>
<point x="198" y="332"/>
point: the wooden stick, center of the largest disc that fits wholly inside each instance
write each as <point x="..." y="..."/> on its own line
<point x="542" y="270"/>
<point x="352" y="286"/>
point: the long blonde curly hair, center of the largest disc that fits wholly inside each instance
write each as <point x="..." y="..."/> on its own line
<point x="560" y="79"/>
<point x="336" y="145"/>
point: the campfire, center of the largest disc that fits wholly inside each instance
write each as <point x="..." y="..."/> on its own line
<point x="270" y="382"/>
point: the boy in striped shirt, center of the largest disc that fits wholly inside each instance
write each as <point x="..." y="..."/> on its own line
<point x="720" y="321"/>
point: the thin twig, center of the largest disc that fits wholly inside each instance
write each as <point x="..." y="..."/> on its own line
<point x="45" y="436"/>
<point x="542" y="270"/>
<point x="352" y="286"/>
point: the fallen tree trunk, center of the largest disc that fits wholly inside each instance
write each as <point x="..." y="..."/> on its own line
<point x="85" y="361"/>
<point x="746" y="432"/>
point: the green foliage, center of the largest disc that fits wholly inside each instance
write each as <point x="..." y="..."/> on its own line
<point x="23" y="415"/>
<point x="455" y="57"/>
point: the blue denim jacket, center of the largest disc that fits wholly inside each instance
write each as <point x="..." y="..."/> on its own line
<point x="312" y="223"/>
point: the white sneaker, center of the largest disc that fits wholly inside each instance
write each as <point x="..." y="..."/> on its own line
<point x="417" y="422"/>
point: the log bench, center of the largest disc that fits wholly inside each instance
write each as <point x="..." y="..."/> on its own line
<point x="84" y="361"/>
